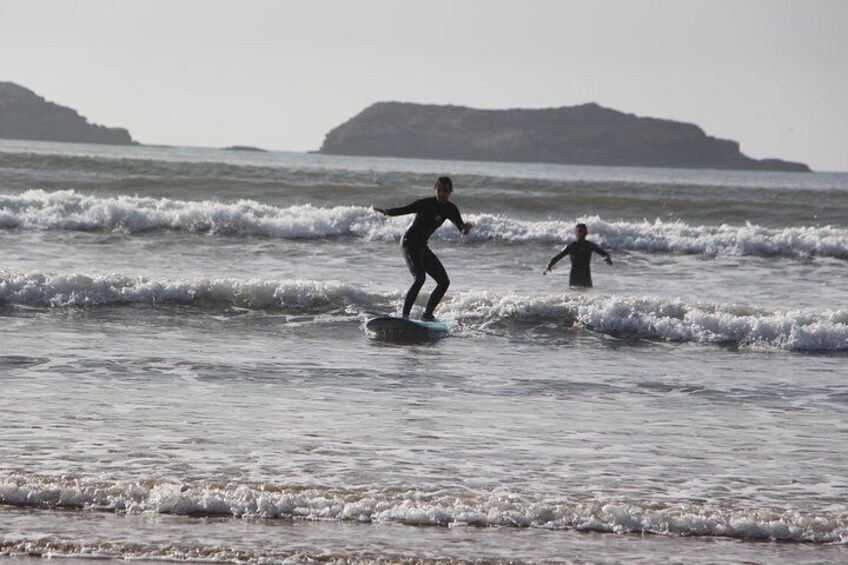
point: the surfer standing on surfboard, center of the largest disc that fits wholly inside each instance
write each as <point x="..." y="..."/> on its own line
<point x="430" y="213"/>
<point x="581" y="253"/>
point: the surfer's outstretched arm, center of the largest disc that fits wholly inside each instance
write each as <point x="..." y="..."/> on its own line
<point x="413" y="208"/>
<point x="463" y="226"/>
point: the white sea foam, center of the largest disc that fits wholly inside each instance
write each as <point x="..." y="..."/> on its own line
<point x="70" y="210"/>
<point x="644" y="317"/>
<point x="679" y="237"/>
<point x="660" y="319"/>
<point x="418" y="507"/>
<point x="56" y="290"/>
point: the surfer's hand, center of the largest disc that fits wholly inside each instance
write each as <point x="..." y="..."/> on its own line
<point x="608" y="259"/>
<point x="381" y="210"/>
<point x="466" y="227"/>
<point x="546" y="270"/>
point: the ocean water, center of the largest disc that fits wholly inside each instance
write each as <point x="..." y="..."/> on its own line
<point x="185" y="373"/>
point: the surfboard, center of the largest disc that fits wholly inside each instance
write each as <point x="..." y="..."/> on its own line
<point x="391" y="327"/>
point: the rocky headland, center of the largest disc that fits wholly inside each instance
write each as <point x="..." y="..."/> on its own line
<point x="588" y="134"/>
<point x="25" y="115"/>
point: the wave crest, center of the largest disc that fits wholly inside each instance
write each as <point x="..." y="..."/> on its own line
<point x="660" y="319"/>
<point x="48" y="290"/>
<point x="630" y="317"/>
<point x="70" y="210"/>
<point x="420" y="507"/>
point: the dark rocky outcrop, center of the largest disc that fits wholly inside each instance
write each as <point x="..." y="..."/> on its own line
<point x="581" y="135"/>
<point x="245" y="148"/>
<point x="25" y="115"/>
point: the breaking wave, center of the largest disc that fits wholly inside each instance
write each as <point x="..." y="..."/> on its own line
<point x="631" y="317"/>
<point x="72" y="211"/>
<point x="423" y="508"/>
<point x="55" y="291"/>
<point x="661" y="319"/>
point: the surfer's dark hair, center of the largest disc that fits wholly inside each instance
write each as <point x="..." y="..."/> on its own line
<point x="445" y="182"/>
<point x="582" y="227"/>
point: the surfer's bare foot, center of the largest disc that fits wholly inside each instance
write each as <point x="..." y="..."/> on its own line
<point x="425" y="317"/>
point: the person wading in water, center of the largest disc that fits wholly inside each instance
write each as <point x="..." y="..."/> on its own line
<point x="581" y="254"/>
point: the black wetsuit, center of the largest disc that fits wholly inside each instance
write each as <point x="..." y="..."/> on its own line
<point x="429" y="215"/>
<point x="581" y="254"/>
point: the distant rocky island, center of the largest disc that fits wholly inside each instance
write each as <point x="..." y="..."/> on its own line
<point x="588" y="134"/>
<point x="245" y="148"/>
<point x="25" y="115"/>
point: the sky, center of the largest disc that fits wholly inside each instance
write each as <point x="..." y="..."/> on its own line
<point x="771" y="74"/>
